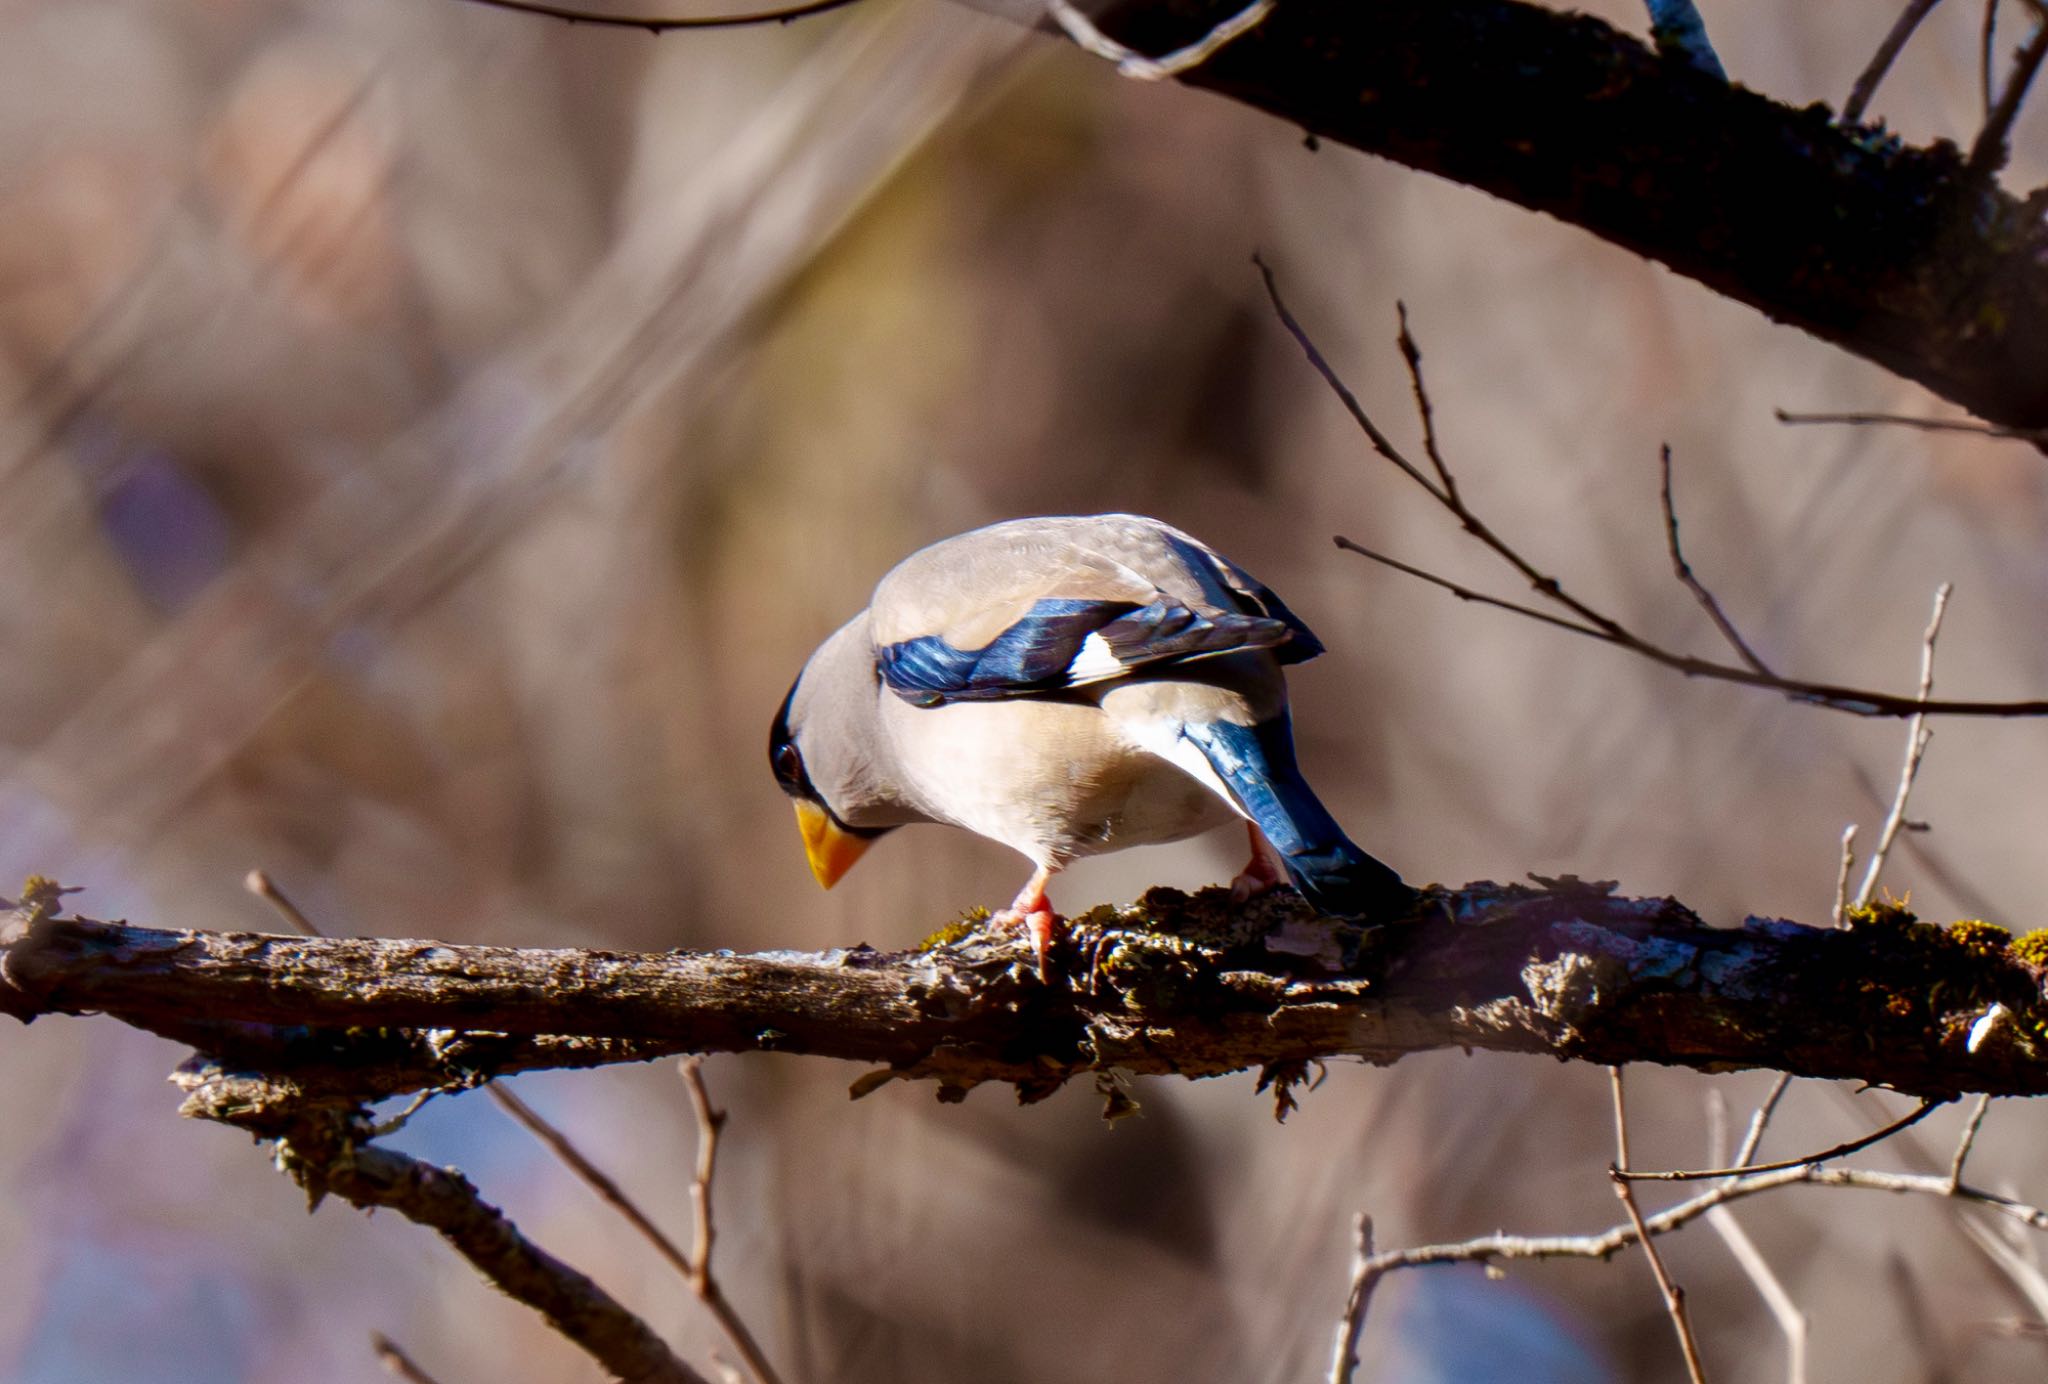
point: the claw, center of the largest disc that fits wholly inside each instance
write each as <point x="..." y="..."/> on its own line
<point x="1030" y="911"/>
<point x="1262" y="872"/>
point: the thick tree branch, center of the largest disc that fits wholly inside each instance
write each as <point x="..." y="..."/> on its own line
<point x="329" y="1155"/>
<point x="1196" y="986"/>
<point x="1902" y="255"/>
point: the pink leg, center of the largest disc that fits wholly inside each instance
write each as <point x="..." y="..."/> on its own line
<point x="1031" y="911"/>
<point x="1264" y="871"/>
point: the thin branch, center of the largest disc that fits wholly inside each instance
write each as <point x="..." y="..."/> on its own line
<point x="1683" y="571"/>
<point x="1882" y="60"/>
<point x="659" y="25"/>
<point x="1987" y="51"/>
<point x="698" y="1270"/>
<point x="1841" y="911"/>
<point x="1411" y="353"/>
<point x="1926" y="1108"/>
<point x="1142" y="67"/>
<point x="1917" y="736"/>
<point x="325" y="1157"/>
<point x="1989" y="152"/>
<point x="1486" y="1249"/>
<point x="1587" y="620"/>
<point x="1791" y="1320"/>
<point x="1967" y="1141"/>
<point x="1351" y="1325"/>
<point x="1910" y="420"/>
<point x="1674" y="1296"/>
<point x="396" y="1362"/>
<point x="1761" y="1119"/>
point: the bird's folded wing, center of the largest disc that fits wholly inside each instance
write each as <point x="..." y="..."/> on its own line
<point x="1039" y="606"/>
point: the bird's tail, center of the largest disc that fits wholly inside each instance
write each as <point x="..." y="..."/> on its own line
<point x="1256" y="763"/>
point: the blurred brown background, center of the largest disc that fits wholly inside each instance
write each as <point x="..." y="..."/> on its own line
<point x="433" y="439"/>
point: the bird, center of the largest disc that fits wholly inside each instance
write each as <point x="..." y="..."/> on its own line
<point x="1067" y="686"/>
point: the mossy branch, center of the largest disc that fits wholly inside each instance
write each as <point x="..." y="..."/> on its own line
<point x="1911" y="257"/>
<point x="1196" y="986"/>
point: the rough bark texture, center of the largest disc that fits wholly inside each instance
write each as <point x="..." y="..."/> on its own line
<point x="1177" y="984"/>
<point x="1899" y="254"/>
<point x="330" y="1155"/>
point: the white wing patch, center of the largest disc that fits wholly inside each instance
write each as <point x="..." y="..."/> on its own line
<point x="1095" y="661"/>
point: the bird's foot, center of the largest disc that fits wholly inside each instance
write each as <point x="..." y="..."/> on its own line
<point x="1262" y="872"/>
<point x="1041" y="924"/>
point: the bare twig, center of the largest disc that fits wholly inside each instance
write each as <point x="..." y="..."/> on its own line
<point x="1791" y="1320"/>
<point x="1364" y="1278"/>
<point x="1683" y="571"/>
<point x="659" y="25"/>
<point x="1917" y="736"/>
<point x="1784" y="1309"/>
<point x="1580" y="617"/>
<point x="1967" y="1141"/>
<point x="1841" y="913"/>
<point x="1412" y="354"/>
<point x="1925" y="1108"/>
<point x="397" y="1362"/>
<point x="1987" y="50"/>
<point x="702" y="1281"/>
<point x="1760" y="1119"/>
<point x="1988" y="154"/>
<point x="1910" y="420"/>
<point x="1882" y="60"/>
<point x="1142" y="67"/>
<point x="1674" y="1296"/>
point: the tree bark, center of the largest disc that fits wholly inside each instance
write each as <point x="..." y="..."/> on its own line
<point x="1902" y="255"/>
<point x="1195" y="986"/>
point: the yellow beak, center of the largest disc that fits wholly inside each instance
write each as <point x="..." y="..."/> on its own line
<point x="830" y="850"/>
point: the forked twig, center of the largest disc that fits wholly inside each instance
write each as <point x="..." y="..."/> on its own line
<point x="1344" y="1356"/>
<point x="1683" y="571"/>
<point x="1674" y="1296"/>
<point x="1988" y="153"/>
<point x="1926" y="1108"/>
<point x="1143" y="67"/>
<point x="698" y="1268"/>
<point x="1580" y="617"/>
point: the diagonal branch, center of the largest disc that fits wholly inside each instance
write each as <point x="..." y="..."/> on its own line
<point x="1899" y="254"/>
<point x="325" y="1155"/>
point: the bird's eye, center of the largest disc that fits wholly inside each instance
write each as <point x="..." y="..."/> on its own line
<point x="789" y="764"/>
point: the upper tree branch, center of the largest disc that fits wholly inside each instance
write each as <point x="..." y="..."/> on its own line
<point x="1195" y="986"/>
<point x="1902" y="255"/>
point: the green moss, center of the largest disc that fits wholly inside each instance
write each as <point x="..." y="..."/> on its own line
<point x="1890" y="915"/>
<point x="2031" y="949"/>
<point x="959" y="930"/>
<point x="1979" y="938"/>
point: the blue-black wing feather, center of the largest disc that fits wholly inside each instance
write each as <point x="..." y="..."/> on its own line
<point x="1040" y="652"/>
